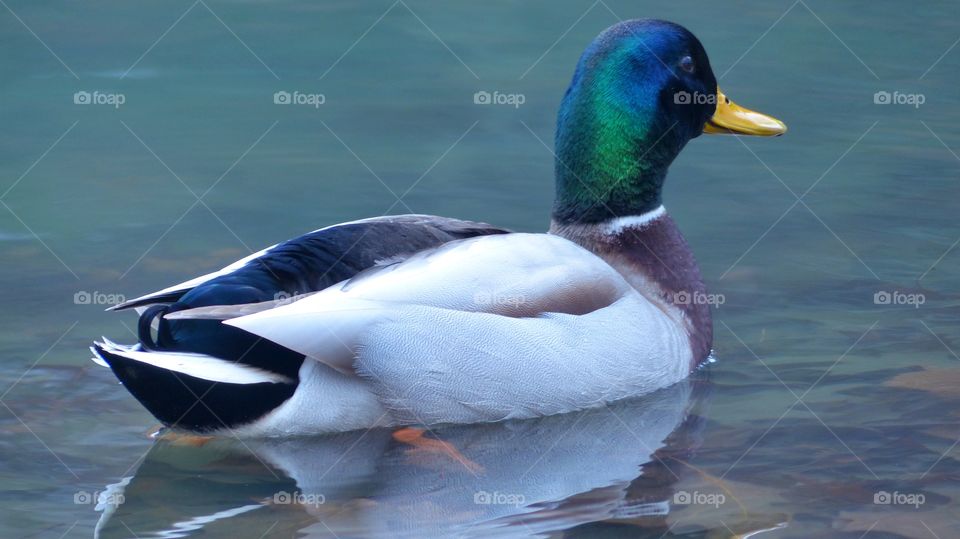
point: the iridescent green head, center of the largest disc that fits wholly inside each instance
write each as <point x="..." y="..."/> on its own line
<point x="641" y="90"/>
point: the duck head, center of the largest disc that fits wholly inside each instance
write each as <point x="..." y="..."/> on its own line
<point x="641" y="91"/>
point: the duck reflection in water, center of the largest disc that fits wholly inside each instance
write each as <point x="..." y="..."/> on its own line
<point x="617" y="465"/>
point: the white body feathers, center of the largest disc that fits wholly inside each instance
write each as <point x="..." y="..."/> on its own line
<point x="484" y="329"/>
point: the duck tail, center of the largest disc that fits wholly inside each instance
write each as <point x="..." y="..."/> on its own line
<point x="194" y="392"/>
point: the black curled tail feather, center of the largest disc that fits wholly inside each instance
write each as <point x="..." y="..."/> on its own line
<point x="144" y="327"/>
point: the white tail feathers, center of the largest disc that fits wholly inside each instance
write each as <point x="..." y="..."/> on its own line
<point x="195" y="365"/>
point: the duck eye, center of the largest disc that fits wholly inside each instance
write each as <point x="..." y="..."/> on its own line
<point x="686" y="64"/>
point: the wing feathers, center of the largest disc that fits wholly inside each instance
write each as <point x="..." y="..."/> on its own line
<point x="173" y="293"/>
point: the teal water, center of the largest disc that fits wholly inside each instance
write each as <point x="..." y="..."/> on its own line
<point x="822" y="402"/>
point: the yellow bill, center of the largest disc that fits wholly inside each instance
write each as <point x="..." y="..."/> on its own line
<point x="732" y="119"/>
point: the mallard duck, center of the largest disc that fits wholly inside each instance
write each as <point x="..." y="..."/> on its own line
<point x="421" y="320"/>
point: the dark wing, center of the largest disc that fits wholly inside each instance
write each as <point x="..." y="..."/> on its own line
<point x="318" y="259"/>
<point x="298" y="266"/>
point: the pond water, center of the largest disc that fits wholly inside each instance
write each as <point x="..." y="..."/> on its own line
<point x="831" y="410"/>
